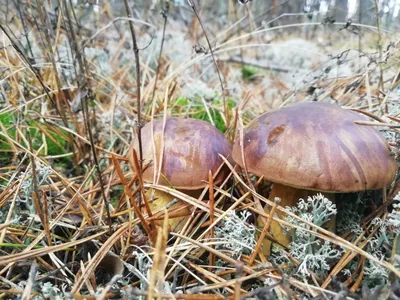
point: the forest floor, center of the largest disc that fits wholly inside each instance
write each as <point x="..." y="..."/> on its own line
<point x="69" y="109"/>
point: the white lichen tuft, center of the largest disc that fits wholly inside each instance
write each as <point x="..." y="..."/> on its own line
<point x="316" y="209"/>
<point x="236" y="235"/>
<point x="394" y="217"/>
<point x="42" y="176"/>
<point x="314" y="254"/>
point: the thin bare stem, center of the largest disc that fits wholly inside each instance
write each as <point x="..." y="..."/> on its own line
<point x="263" y="233"/>
<point x="138" y="95"/>
<point x="378" y="25"/>
<point x="82" y="83"/>
<point x="165" y="16"/>
<point x="212" y="204"/>
<point x="193" y="6"/>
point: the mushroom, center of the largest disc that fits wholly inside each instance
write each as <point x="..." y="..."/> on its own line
<point x="189" y="149"/>
<point x="314" y="147"/>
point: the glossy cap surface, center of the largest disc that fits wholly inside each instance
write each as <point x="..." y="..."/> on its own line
<point x="317" y="146"/>
<point x="191" y="149"/>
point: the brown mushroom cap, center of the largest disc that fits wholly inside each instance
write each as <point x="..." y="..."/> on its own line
<point x="317" y="146"/>
<point x="191" y="149"/>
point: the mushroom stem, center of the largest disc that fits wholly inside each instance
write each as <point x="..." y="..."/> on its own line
<point x="178" y="214"/>
<point x="289" y="197"/>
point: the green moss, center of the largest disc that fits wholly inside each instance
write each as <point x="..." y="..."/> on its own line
<point x="55" y="138"/>
<point x="55" y="141"/>
<point x="115" y="195"/>
<point x="182" y="101"/>
<point x="7" y="120"/>
<point x="249" y="72"/>
<point x="196" y="110"/>
<point x="6" y="153"/>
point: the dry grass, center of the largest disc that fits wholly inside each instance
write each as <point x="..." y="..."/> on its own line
<point x="68" y="198"/>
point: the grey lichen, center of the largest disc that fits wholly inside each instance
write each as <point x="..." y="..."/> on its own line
<point x="236" y="235"/>
<point x="313" y="254"/>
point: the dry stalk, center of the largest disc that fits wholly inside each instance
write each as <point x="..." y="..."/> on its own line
<point x="263" y="232"/>
<point x="82" y="83"/>
<point x="211" y="204"/>
<point x="210" y="276"/>
<point x="137" y="292"/>
<point x="378" y="25"/>
<point x="238" y="282"/>
<point x="164" y="13"/>
<point x="193" y="6"/>
<point x="141" y="184"/>
<point x="31" y="281"/>
<point x="133" y="201"/>
<point x="158" y="269"/>
<point x="138" y="95"/>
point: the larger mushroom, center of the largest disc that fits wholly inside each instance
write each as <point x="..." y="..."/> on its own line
<point x="310" y="147"/>
<point x="189" y="149"/>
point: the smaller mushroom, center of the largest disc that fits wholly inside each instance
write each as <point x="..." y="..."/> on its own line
<point x="314" y="147"/>
<point x="189" y="149"/>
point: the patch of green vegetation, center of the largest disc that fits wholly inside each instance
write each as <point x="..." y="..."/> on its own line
<point x="115" y="195"/>
<point x="249" y="72"/>
<point x="196" y="110"/>
<point x="56" y="142"/>
<point x="182" y="101"/>
<point x="7" y="121"/>
<point x="55" y="138"/>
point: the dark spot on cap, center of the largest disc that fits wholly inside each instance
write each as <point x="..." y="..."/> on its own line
<point x="275" y="133"/>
